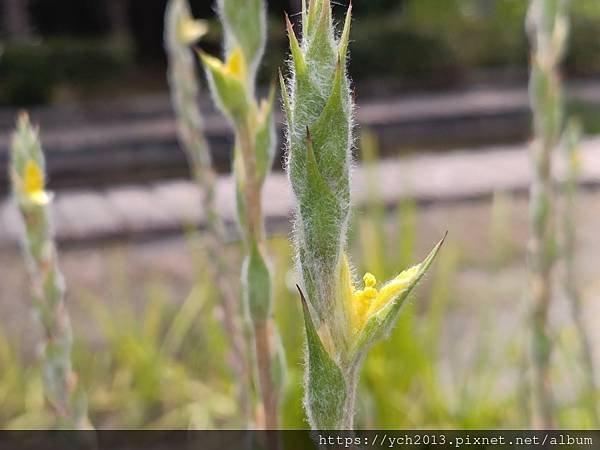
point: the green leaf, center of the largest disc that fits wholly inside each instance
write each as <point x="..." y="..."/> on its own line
<point x="285" y="99"/>
<point x="322" y="219"/>
<point x="257" y="289"/>
<point x="345" y="38"/>
<point x="321" y="51"/>
<point x="325" y="388"/>
<point x="332" y="139"/>
<point x="246" y="24"/>
<point x="228" y="91"/>
<point x="382" y="322"/>
<point x="297" y="55"/>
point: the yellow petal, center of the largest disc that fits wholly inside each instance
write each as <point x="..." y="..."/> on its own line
<point x="191" y="30"/>
<point x="33" y="178"/>
<point x="33" y="184"/>
<point x="236" y="65"/>
<point x="390" y="290"/>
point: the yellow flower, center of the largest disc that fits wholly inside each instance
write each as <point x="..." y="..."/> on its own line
<point x="364" y="303"/>
<point x="33" y="184"/>
<point x="235" y="67"/>
<point x="191" y="30"/>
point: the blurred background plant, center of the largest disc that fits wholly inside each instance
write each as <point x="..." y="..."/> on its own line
<point x="233" y="87"/>
<point x="63" y="392"/>
<point x="182" y="31"/>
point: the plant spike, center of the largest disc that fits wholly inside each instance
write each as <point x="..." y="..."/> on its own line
<point x="548" y="30"/>
<point x="232" y="84"/>
<point x="570" y="154"/>
<point x="181" y="31"/>
<point x="62" y="388"/>
<point x="342" y="322"/>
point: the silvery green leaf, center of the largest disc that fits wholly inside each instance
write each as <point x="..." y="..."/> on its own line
<point x="257" y="285"/>
<point x="321" y="220"/>
<point x="331" y="136"/>
<point x="325" y="391"/>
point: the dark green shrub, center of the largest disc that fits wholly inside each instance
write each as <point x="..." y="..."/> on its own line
<point x="388" y="50"/>
<point x="30" y="71"/>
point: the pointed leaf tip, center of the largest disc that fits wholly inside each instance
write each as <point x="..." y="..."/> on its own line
<point x="302" y="298"/>
<point x="297" y="56"/>
<point x="345" y="38"/>
<point x="325" y="389"/>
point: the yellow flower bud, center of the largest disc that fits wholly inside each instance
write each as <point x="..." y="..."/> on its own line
<point x="236" y="65"/>
<point x="33" y="184"/>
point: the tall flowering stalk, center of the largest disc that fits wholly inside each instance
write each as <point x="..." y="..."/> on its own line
<point x="548" y="30"/>
<point x="63" y="391"/>
<point x="571" y="157"/>
<point x="342" y="320"/>
<point x="232" y="85"/>
<point x="181" y="31"/>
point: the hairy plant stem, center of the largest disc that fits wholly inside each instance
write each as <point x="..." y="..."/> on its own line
<point x="255" y="230"/>
<point x="232" y="84"/>
<point x="251" y="188"/>
<point x="352" y="379"/>
<point x="182" y="76"/>
<point x="541" y="263"/>
<point x="548" y="30"/>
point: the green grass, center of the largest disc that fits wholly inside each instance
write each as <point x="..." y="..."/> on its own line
<point x="160" y="361"/>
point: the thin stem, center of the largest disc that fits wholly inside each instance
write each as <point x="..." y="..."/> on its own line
<point x="263" y="339"/>
<point x="263" y="331"/>
<point x="541" y="266"/>
<point x="547" y="32"/>
<point x="251" y="188"/>
<point x="352" y="379"/>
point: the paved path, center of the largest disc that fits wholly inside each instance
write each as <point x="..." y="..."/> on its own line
<point x="159" y="209"/>
<point x="134" y="141"/>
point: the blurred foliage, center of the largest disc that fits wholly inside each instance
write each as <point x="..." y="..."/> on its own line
<point x="31" y="71"/>
<point x="413" y="43"/>
<point x="161" y="362"/>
